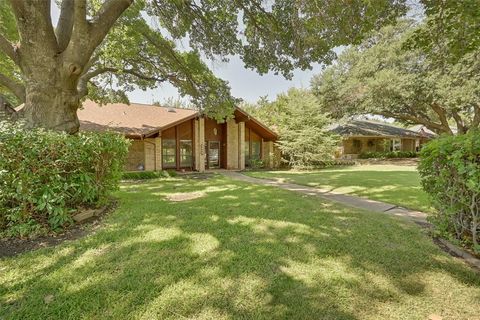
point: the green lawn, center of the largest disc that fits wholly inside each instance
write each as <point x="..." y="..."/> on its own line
<point x="239" y="251"/>
<point x="394" y="184"/>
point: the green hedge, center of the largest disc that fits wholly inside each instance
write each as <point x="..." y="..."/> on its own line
<point x="450" y="171"/>
<point x="45" y="176"/>
<point x="144" y="175"/>
<point x="387" y="154"/>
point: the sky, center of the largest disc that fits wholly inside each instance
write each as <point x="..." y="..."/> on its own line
<point x="245" y="84"/>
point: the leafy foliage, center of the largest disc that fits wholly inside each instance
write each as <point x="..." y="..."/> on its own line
<point x="450" y="171"/>
<point x="380" y="77"/>
<point x="387" y="155"/>
<point x="451" y="29"/>
<point x="45" y="176"/>
<point x="304" y="138"/>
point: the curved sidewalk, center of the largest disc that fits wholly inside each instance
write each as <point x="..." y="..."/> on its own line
<point x="349" y="200"/>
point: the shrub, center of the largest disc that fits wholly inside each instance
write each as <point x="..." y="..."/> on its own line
<point x="45" y="176"/>
<point x="144" y="175"/>
<point x="387" y="154"/>
<point x="450" y="171"/>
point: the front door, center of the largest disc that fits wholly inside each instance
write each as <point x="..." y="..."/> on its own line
<point x="213" y="154"/>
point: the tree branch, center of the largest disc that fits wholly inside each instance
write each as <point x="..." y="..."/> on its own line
<point x="34" y="24"/>
<point x="83" y="82"/>
<point x="16" y="88"/>
<point x="101" y="24"/>
<point x="64" y="27"/>
<point x="7" y="48"/>
<point x="438" y="128"/>
<point x="442" y="116"/>
<point x="461" y="129"/>
<point x="476" y="117"/>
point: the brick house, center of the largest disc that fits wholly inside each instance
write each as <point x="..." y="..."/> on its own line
<point x="359" y="136"/>
<point x="182" y="139"/>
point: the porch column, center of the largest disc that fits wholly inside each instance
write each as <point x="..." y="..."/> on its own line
<point x="232" y="144"/>
<point x="158" y="154"/>
<point x="199" y="127"/>
<point x="241" y="145"/>
<point x="268" y="158"/>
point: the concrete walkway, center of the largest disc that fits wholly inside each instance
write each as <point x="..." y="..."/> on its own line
<point x="349" y="200"/>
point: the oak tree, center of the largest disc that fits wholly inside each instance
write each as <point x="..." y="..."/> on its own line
<point x="381" y="77"/>
<point x="102" y="49"/>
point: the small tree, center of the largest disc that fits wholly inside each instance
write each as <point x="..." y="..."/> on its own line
<point x="305" y="140"/>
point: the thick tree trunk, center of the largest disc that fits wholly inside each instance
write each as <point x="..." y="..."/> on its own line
<point x="52" y="61"/>
<point x="52" y="107"/>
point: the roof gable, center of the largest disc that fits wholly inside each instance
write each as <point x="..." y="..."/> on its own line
<point x="134" y="120"/>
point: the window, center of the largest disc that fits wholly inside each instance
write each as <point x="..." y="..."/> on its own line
<point x="169" y="153"/>
<point x="185" y="153"/>
<point x="247" y="153"/>
<point x="256" y="149"/>
<point x="395" y="145"/>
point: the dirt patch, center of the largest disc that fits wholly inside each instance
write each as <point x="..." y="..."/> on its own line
<point x="13" y="246"/>
<point x="178" y="197"/>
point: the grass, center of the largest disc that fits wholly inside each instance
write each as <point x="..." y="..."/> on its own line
<point x="394" y="184"/>
<point x="238" y="251"/>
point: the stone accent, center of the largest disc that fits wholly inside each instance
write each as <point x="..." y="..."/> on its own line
<point x="199" y="141"/>
<point x="241" y="145"/>
<point x="232" y="144"/>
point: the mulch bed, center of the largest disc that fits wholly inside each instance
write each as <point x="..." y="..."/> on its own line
<point x="13" y="246"/>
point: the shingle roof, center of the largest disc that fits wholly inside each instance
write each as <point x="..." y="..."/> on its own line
<point x="371" y="128"/>
<point x="422" y="130"/>
<point x="132" y="120"/>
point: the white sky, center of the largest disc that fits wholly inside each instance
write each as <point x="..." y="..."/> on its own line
<point x="245" y="84"/>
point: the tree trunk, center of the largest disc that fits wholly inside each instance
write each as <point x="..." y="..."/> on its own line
<point x="51" y="108"/>
<point x="52" y="99"/>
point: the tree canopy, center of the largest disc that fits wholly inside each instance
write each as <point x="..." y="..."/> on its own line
<point x="103" y="49"/>
<point x="379" y="76"/>
<point x="305" y="139"/>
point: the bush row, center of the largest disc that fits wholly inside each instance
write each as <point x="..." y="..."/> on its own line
<point x="46" y="176"/>
<point x="387" y="154"/>
<point x="450" y="171"/>
<point x="145" y="175"/>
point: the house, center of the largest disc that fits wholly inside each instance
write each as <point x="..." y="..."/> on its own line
<point x="359" y="136"/>
<point x="182" y="139"/>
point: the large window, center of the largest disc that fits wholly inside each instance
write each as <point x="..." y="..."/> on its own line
<point x="169" y="153"/>
<point x="247" y="153"/>
<point x="256" y="149"/>
<point x="186" y="153"/>
<point x="396" y="145"/>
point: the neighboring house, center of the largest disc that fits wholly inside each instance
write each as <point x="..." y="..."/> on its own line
<point x="359" y="136"/>
<point x="181" y="139"/>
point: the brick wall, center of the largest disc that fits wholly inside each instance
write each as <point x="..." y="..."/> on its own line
<point x="135" y="156"/>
